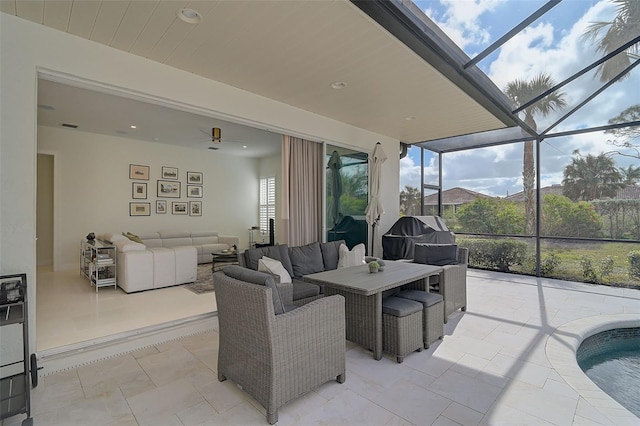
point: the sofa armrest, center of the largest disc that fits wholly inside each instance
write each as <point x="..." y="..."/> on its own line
<point x="229" y="240"/>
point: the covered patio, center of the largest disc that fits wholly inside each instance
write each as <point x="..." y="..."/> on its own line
<point x="499" y="363"/>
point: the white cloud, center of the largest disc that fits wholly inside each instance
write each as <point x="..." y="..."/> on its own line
<point x="543" y="47"/>
<point x="461" y="20"/>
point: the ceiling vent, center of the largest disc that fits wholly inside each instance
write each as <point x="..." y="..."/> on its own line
<point x="71" y="126"/>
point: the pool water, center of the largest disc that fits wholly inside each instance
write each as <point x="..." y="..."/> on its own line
<point x="611" y="359"/>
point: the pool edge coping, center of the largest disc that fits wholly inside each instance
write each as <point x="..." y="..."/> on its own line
<point x="561" y="349"/>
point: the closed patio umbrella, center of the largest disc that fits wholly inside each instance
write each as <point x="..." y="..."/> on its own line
<point x="375" y="209"/>
<point x="335" y="164"/>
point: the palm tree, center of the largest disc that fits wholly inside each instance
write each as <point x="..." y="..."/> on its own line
<point x="630" y="175"/>
<point x="591" y="177"/>
<point x="410" y="201"/>
<point x="624" y="27"/>
<point x="520" y="92"/>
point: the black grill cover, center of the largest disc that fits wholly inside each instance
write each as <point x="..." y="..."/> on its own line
<point x="352" y="229"/>
<point x="399" y="241"/>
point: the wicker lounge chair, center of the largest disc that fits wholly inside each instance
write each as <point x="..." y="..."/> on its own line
<point x="276" y="358"/>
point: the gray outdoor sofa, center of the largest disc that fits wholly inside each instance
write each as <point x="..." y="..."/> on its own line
<point x="298" y="261"/>
<point x="273" y="351"/>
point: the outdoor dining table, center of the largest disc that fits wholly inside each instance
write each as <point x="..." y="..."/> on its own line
<point x="363" y="292"/>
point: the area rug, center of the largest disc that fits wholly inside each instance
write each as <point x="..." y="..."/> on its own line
<point x="204" y="282"/>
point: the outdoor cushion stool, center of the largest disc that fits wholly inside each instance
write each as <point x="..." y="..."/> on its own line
<point x="432" y="315"/>
<point x="401" y="326"/>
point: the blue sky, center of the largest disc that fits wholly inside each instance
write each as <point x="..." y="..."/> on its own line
<point x="551" y="45"/>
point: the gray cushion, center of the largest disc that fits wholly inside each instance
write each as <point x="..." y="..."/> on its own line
<point x="260" y="278"/>
<point x="330" y="254"/>
<point x="399" y="307"/>
<point x="436" y="254"/>
<point x="302" y="289"/>
<point x="306" y="259"/>
<point x="279" y="252"/>
<point x="427" y="299"/>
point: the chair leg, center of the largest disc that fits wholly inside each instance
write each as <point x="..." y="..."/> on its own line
<point x="400" y="359"/>
<point x="272" y="418"/>
<point x="341" y="378"/>
<point x="221" y="377"/>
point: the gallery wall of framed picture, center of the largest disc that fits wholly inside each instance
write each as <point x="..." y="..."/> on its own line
<point x="168" y="191"/>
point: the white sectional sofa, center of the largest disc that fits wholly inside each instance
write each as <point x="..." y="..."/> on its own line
<point x="206" y="242"/>
<point x="164" y="258"/>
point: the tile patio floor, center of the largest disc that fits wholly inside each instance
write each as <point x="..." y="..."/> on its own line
<point x="490" y="369"/>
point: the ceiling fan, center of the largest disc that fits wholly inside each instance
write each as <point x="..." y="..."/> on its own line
<point x="216" y="137"/>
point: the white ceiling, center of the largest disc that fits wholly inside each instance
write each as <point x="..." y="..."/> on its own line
<point x="290" y="51"/>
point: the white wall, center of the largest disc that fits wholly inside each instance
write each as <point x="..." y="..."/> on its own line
<point x="44" y="220"/>
<point x="27" y="48"/>
<point x="93" y="189"/>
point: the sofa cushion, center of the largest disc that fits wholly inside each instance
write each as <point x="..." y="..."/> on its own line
<point x="127" y="245"/>
<point x="176" y="242"/>
<point x="303" y="289"/>
<point x="204" y="234"/>
<point x="330" y="254"/>
<point x="272" y="266"/>
<point x="259" y="278"/>
<point x="278" y="252"/>
<point x="113" y="237"/>
<point x="204" y="240"/>
<point x="306" y="259"/>
<point x="436" y="254"/>
<point x="353" y="257"/>
<point x="399" y="307"/>
<point x="174" y="234"/>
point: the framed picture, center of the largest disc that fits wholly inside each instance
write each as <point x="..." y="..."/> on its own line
<point x="139" y="209"/>
<point x="195" y="208"/>
<point x="194" y="191"/>
<point x="179" y="207"/>
<point x="161" y="206"/>
<point x="139" y="191"/>
<point x="170" y="173"/>
<point x="138" y="172"/>
<point x="168" y="189"/>
<point x="194" y="178"/>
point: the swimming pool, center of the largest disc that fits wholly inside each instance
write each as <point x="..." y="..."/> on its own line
<point x="612" y="360"/>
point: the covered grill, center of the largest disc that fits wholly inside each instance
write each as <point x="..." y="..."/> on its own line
<point x="399" y="241"/>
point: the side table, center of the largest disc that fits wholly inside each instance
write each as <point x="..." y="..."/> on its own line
<point x="224" y="257"/>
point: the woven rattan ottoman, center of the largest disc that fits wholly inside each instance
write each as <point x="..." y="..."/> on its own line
<point x="401" y="327"/>
<point x="432" y="315"/>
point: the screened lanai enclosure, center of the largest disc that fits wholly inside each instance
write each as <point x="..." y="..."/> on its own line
<point x="555" y="192"/>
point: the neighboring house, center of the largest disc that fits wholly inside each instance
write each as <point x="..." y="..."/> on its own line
<point x="453" y="198"/>
<point x="518" y="197"/>
<point x="630" y="192"/>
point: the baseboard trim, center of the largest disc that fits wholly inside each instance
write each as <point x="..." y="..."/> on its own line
<point x="70" y="356"/>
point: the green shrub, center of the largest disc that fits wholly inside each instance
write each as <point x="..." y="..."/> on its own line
<point x="588" y="272"/>
<point x="634" y="263"/>
<point x="549" y="264"/>
<point x="599" y="274"/>
<point x="500" y="255"/>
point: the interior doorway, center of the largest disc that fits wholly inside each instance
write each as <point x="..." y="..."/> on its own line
<point x="44" y="210"/>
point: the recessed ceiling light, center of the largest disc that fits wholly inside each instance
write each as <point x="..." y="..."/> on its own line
<point x="189" y="16"/>
<point x="156" y="139"/>
<point x="244" y="146"/>
<point x="47" y="107"/>
<point x="338" y="85"/>
<point x="411" y="117"/>
<point x="133" y="126"/>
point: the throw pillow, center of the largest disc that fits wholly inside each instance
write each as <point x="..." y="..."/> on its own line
<point x="436" y="254"/>
<point x="133" y="237"/>
<point x="306" y="259"/>
<point x="273" y="266"/>
<point x="330" y="254"/>
<point x="353" y="257"/>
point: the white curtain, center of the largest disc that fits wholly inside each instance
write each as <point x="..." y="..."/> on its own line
<point x="302" y="172"/>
